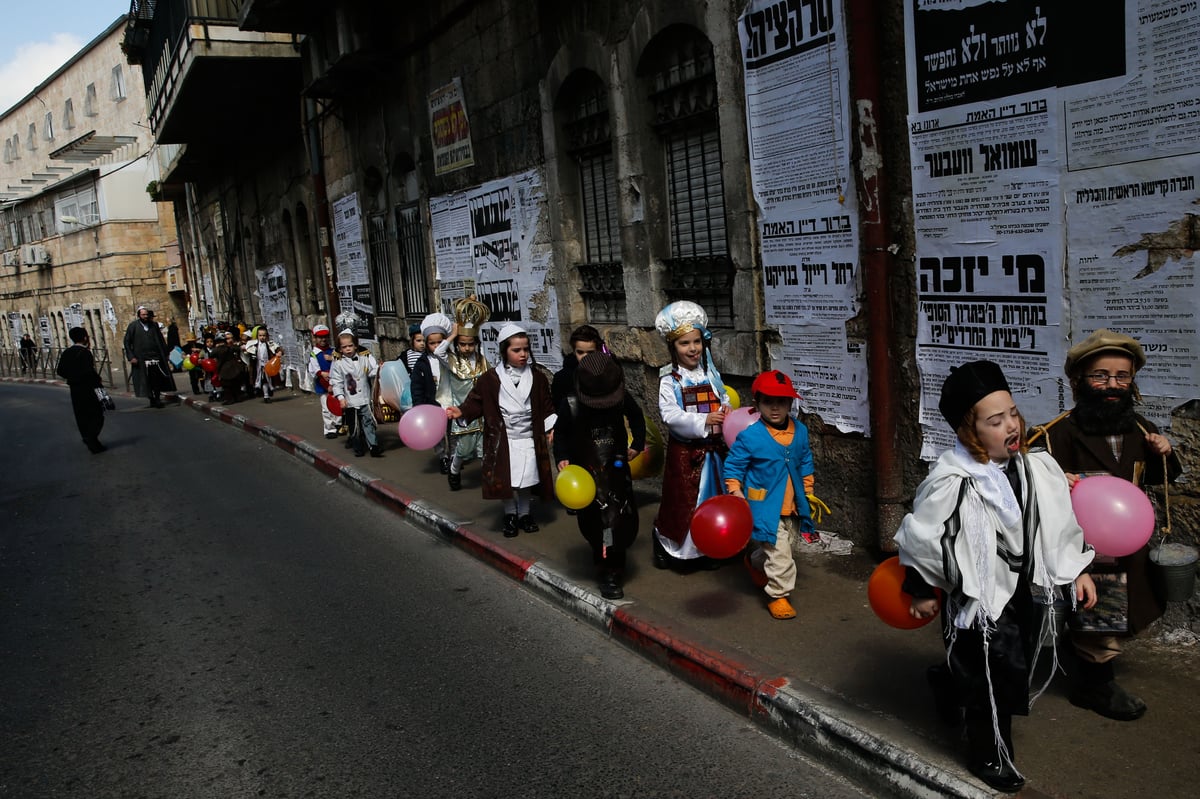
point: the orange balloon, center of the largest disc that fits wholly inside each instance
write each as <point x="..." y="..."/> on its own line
<point x="888" y="599"/>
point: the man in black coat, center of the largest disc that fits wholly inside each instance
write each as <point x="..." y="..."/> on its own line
<point x="78" y="368"/>
<point x="147" y="355"/>
<point x="1104" y="434"/>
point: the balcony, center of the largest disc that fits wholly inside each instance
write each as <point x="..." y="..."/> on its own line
<point x="282" y="16"/>
<point x="209" y="84"/>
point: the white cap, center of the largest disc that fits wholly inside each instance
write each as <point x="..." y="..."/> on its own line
<point x="509" y="330"/>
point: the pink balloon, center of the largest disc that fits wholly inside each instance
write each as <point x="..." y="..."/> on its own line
<point x="1116" y="516"/>
<point x="736" y="421"/>
<point x="423" y="426"/>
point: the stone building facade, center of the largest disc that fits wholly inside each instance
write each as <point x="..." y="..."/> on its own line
<point x="620" y="130"/>
<point x="81" y="240"/>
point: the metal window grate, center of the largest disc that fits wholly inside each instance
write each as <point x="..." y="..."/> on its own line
<point x="603" y="288"/>
<point x="411" y="239"/>
<point x="707" y="281"/>
<point x="696" y="192"/>
<point x="382" y="283"/>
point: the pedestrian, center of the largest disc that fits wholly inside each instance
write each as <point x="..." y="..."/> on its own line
<point x="427" y="374"/>
<point x="590" y="433"/>
<point x="693" y="404"/>
<point x="1104" y="434"/>
<point x="261" y="350"/>
<point x="771" y="466"/>
<point x="173" y="340"/>
<point x="350" y="377"/>
<point x="992" y="528"/>
<point x="416" y="346"/>
<point x="195" y="352"/>
<point x="320" y="358"/>
<point x="28" y="353"/>
<point x="77" y="366"/>
<point x="513" y="398"/>
<point x="147" y="355"/>
<point x="230" y="369"/>
<point x="584" y="339"/>
<point x="461" y="364"/>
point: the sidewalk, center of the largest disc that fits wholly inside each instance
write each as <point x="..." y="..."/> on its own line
<point x="835" y="682"/>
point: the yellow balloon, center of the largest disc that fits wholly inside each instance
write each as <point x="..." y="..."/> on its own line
<point x="574" y="487"/>
<point x="649" y="462"/>
<point x="735" y="401"/>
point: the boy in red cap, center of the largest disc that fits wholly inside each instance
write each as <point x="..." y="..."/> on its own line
<point x="768" y="463"/>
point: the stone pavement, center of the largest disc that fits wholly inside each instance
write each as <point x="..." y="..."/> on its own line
<point x="835" y="682"/>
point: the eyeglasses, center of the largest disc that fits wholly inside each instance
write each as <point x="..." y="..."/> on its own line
<point x="1102" y="378"/>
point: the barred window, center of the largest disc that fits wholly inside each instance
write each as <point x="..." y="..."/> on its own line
<point x="681" y="78"/>
<point x="583" y="105"/>
<point x="381" y="265"/>
<point x="411" y="238"/>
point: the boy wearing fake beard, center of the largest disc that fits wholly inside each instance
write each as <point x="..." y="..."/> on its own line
<point x="1104" y="434"/>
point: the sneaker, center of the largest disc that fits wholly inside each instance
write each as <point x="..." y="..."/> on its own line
<point x="781" y="609"/>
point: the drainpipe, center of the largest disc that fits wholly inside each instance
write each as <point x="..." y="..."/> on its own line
<point x="877" y="264"/>
<point x="316" y="166"/>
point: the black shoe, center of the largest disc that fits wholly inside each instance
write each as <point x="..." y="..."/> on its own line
<point x="455" y="481"/>
<point x="95" y="446"/>
<point x="358" y="453"/>
<point x="998" y="774"/>
<point x="331" y="435"/>
<point x="610" y="586"/>
<point x="510" y="525"/>
<point x="376" y="452"/>
<point x="267" y="400"/>
<point x="941" y="682"/>
<point x="1109" y="700"/>
<point x="445" y="466"/>
<point x="528" y="524"/>
<point x="661" y="559"/>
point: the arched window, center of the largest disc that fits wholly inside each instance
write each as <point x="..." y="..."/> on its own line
<point x="582" y="112"/>
<point x="678" y="73"/>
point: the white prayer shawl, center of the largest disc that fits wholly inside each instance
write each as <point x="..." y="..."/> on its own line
<point x="980" y="582"/>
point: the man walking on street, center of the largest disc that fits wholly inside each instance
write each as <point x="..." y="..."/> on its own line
<point x="78" y="368"/>
<point x="147" y="355"/>
<point x="1103" y="434"/>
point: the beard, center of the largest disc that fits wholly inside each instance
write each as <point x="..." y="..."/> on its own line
<point x="1104" y="411"/>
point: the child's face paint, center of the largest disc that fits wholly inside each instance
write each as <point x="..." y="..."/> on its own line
<point x="689" y="348"/>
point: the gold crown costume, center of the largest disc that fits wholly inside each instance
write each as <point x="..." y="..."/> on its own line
<point x="470" y="315"/>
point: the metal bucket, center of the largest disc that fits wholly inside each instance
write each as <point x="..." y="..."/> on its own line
<point x="1173" y="567"/>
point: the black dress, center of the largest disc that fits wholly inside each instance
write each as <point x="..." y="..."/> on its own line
<point x="78" y="368"/>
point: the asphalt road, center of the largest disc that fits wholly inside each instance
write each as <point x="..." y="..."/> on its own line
<point x="195" y="614"/>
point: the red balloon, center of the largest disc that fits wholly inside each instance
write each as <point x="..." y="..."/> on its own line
<point x="721" y="526"/>
<point x="209" y="365"/>
<point x="888" y="600"/>
<point x="194" y="358"/>
<point x="335" y="407"/>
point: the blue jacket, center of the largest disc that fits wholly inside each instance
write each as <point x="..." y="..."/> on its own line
<point x="762" y="465"/>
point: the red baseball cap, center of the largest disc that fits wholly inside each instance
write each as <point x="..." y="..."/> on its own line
<point x="774" y="384"/>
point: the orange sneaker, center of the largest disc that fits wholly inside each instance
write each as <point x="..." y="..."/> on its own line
<point x="781" y="609"/>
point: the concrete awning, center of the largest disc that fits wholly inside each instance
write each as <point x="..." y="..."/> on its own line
<point x="89" y="147"/>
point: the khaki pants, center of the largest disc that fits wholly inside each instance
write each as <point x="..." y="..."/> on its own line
<point x="776" y="560"/>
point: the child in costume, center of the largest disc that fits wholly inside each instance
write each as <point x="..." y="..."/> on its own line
<point x="427" y="373"/>
<point x="461" y="364"/>
<point x="768" y="465"/>
<point x="320" y="358"/>
<point x="260" y="350"/>
<point x="514" y="400"/>
<point x="350" y="377"/>
<point x="991" y="527"/>
<point x="416" y="346"/>
<point x="590" y="432"/>
<point x="693" y="403"/>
